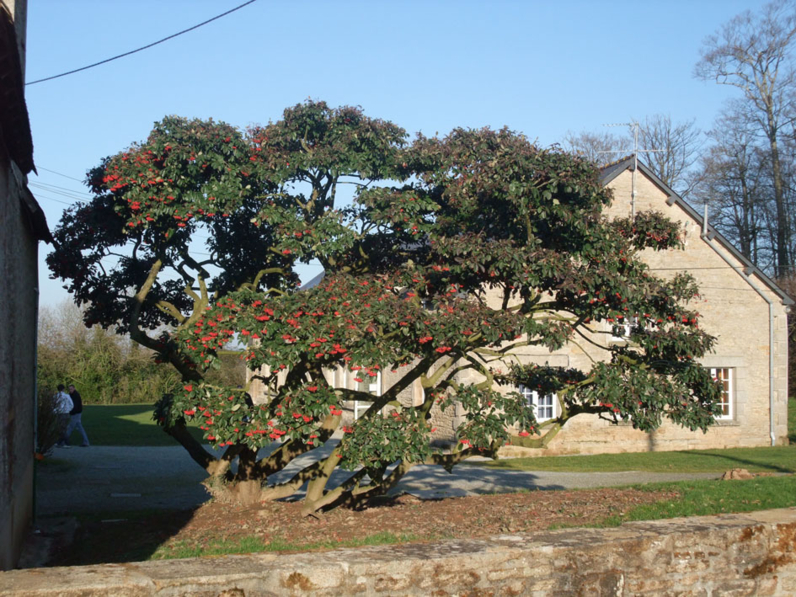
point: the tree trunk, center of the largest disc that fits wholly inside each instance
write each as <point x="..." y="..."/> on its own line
<point x="194" y="448"/>
<point x="782" y="235"/>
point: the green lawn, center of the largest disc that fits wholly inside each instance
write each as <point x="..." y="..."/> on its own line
<point x="780" y="459"/>
<point x="254" y="544"/>
<point x="705" y="498"/>
<point x="792" y="420"/>
<point x="125" y="425"/>
<point x="132" y="425"/>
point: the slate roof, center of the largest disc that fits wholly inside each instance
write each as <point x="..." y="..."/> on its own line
<point x="615" y="166"/>
<point x="614" y="169"/>
<point x="313" y="282"/>
<point x="14" y="123"/>
<point x="15" y="133"/>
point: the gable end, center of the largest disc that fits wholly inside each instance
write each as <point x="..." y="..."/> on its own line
<point x="610" y="172"/>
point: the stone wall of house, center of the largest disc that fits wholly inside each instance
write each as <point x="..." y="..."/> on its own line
<point x="444" y="422"/>
<point x="738" y="554"/>
<point x="732" y="311"/>
<point x="18" y="301"/>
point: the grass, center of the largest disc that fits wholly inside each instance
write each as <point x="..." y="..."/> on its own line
<point x="706" y="498"/>
<point x="121" y="535"/>
<point x="125" y="425"/>
<point x="139" y="536"/>
<point x="792" y="419"/>
<point x="132" y="425"/>
<point x="251" y="544"/>
<point x="778" y="459"/>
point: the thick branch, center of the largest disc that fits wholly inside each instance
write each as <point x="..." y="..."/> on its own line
<point x="136" y="333"/>
<point x="201" y="456"/>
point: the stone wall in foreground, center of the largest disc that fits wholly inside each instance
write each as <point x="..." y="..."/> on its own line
<point x="737" y="554"/>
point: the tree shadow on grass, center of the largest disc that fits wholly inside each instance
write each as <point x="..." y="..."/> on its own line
<point x="749" y="462"/>
<point x="126" y="500"/>
<point x="129" y="501"/>
<point x="119" y="537"/>
<point x="433" y="482"/>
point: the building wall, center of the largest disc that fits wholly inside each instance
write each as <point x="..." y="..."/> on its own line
<point x="749" y="554"/>
<point x="18" y="295"/>
<point x="18" y="300"/>
<point x="732" y="311"/>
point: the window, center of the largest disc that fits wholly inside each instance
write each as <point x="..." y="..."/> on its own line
<point x="620" y="332"/>
<point x="368" y="384"/>
<point x="544" y="406"/>
<point x="725" y="376"/>
<point x="372" y="385"/>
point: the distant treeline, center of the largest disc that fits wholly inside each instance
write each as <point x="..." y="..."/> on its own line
<point x="107" y="368"/>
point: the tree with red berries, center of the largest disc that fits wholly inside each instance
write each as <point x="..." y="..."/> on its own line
<point x="454" y="254"/>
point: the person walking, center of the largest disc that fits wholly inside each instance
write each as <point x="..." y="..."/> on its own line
<point x="75" y="417"/>
<point x="63" y="406"/>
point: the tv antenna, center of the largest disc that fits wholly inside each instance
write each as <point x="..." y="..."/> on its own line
<point x="635" y="127"/>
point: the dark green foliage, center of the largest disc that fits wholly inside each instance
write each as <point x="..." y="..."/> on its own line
<point x="108" y="368"/>
<point x="455" y="253"/>
<point x="48" y="426"/>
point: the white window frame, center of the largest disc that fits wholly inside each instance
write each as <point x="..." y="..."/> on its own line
<point x="728" y="394"/>
<point x="374" y="387"/>
<point x="532" y="396"/>
<point x="626" y="327"/>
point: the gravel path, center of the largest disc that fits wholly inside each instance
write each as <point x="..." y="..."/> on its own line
<point x="105" y="478"/>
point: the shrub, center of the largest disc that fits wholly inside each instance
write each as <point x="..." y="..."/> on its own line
<point x="48" y="426"/>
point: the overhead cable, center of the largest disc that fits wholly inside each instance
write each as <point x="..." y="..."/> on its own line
<point x="58" y="173"/>
<point x="77" y="70"/>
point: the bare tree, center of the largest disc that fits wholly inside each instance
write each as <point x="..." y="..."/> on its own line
<point x="735" y="183"/>
<point x="600" y="148"/>
<point x="670" y="149"/>
<point x="753" y="53"/>
<point x="675" y="149"/>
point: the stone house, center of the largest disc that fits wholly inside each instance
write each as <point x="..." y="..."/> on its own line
<point x="22" y="226"/>
<point x="740" y="305"/>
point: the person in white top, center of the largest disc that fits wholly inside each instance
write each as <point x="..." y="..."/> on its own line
<point x="63" y="406"/>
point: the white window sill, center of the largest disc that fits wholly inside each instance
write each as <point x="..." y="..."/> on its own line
<point x="727" y="423"/>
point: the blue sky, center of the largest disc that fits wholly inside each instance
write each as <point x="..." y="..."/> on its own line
<point x="539" y="67"/>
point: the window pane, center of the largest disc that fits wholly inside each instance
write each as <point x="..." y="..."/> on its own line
<point x="724" y="375"/>
<point x="544" y="406"/>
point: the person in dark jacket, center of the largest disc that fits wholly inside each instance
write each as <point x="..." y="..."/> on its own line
<point x="75" y="416"/>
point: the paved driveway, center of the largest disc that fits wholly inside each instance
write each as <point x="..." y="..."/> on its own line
<point x="99" y="479"/>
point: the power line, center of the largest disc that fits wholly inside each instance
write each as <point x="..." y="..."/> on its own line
<point x="58" y="173"/>
<point x="40" y="196"/>
<point x="58" y="191"/>
<point x="60" y="188"/>
<point x="77" y="70"/>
